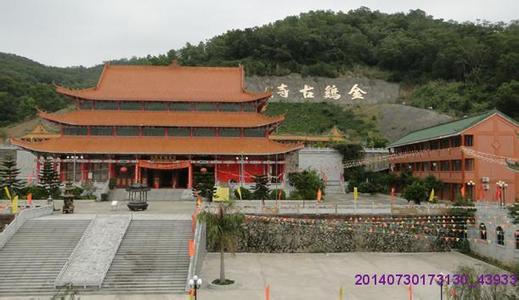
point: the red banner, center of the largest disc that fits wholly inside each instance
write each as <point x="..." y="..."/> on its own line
<point x="163" y="165"/>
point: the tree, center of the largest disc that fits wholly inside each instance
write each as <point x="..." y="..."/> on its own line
<point x="49" y="179"/>
<point x="222" y="230"/>
<point x="415" y="192"/>
<point x="261" y="188"/>
<point x="204" y="183"/>
<point x="350" y="151"/>
<point x="9" y="175"/>
<point x="430" y="182"/>
<point x="306" y="183"/>
<point x="507" y="98"/>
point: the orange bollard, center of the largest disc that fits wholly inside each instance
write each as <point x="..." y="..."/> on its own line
<point x="267" y="292"/>
<point x="410" y="292"/>
<point x="29" y="199"/>
<point x="191" y="248"/>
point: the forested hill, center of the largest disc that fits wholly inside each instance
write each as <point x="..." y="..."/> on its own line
<point x="26" y="84"/>
<point x="458" y="68"/>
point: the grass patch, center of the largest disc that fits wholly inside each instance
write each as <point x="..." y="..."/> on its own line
<point x="319" y="118"/>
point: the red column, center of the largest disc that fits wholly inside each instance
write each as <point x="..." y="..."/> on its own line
<point x="190" y="176"/>
<point x="61" y="173"/>
<point x="111" y="170"/>
<point x="137" y="171"/>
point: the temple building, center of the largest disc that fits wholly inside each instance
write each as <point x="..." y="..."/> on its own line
<point x="160" y="125"/>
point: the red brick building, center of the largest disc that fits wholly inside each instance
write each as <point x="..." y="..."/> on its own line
<point x="468" y="153"/>
<point x="160" y="124"/>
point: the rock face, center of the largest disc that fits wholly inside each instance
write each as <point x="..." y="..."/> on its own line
<point x="397" y="120"/>
<point x="286" y="235"/>
<point x="321" y="89"/>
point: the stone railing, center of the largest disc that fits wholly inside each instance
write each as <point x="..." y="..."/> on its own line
<point x="195" y="262"/>
<point x="19" y="220"/>
<point x="296" y="207"/>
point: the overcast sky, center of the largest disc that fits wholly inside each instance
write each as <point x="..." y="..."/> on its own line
<point x="87" y="32"/>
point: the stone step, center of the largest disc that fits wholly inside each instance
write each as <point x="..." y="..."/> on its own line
<point x="34" y="256"/>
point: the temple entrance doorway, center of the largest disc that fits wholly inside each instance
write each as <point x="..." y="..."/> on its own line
<point x="170" y="179"/>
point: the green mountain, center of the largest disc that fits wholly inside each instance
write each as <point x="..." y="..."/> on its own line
<point x="455" y="68"/>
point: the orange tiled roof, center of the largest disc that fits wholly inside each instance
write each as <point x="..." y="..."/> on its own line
<point x="162" y="118"/>
<point x="168" y="83"/>
<point x="306" y="138"/>
<point x="158" y="145"/>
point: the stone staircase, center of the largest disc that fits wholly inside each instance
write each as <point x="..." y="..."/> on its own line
<point x="34" y="256"/>
<point x="152" y="258"/>
<point x="155" y="194"/>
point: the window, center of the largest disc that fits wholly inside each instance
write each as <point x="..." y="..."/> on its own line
<point x="108" y="105"/>
<point x="234" y="132"/>
<point x="204" y="132"/>
<point x="469" y="164"/>
<point x="445" y="143"/>
<point x="435" y="145"/>
<point x="482" y="231"/>
<point x="456" y="141"/>
<point x="153" y="131"/>
<point x="517" y="239"/>
<point x="127" y="131"/>
<point x="456" y="165"/>
<point x="206" y="107"/>
<point x="179" y="131"/>
<point x="181" y="106"/>
<point x="157" y="106"/>
<point x="444" y="165"/>
<point x="254" y="132"/>
<point x="500" y="235"/>
<point x="69" y="169"/>
<point x="249" y="106"/>
<point x="131" y="105"/>
<point x="434" y="166"/>
<point x="86" y="104"/>
<point x="99" y="172"/>
<point x="229" y="107"/>
<point x="98" y="130"/>
<point x="76" y="130"/>
<point x="468" y="140"/>
<point x="427" y="166"/>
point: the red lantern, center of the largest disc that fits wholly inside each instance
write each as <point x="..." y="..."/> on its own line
<point x="203" y="170"/>
<point x="123" y="169"/>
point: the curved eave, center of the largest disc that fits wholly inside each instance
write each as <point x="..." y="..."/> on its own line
<point x="93" y="94"/>
<point x="158" y="145"/>
<point x="162" y="119"/>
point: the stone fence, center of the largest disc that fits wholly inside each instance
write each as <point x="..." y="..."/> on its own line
<point x="20" y="219"/>
<point x="388" y="233"/>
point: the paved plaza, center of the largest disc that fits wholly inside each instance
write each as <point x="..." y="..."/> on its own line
<point x="317" y="276"/>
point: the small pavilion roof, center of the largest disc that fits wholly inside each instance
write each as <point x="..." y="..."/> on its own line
<point x="159" y="145"/>
<point x="168" y="83"/>
<point x="162" y="118"/>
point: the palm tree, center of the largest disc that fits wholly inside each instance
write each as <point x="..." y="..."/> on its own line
<point x="222" y="230"/>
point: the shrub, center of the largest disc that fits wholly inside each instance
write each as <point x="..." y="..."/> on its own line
<point x="112" y="183"/>
<point x="370" y="187"/>
<point x="38" y="192"/>
<point x="275" y="193"/>
<point x="245" y="193"/>
<point x="104" y="197"/>
<point x="77" y="191"/>
<point x="261" y="188"/>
